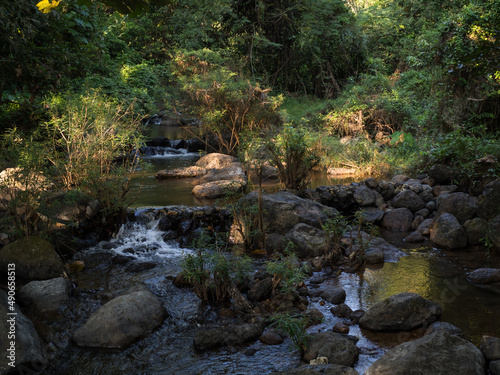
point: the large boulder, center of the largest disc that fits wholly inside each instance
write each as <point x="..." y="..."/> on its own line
<point x="216" y="161"/>
<point x="489" y="201"/>
<point x="284" y="210"/>
<point x="442" y="174"/>
<point x="122" y="320"/>
<point x="399" y="219"/>
<point x="338" y="349"/>
<point x="400" y="312"/>
<point x="231" y="335"/>
<point x="34" y="257"/>
<point x="26" y="354"/>
<point x="446" y="231"/>
<point x="364" y="196"/>
<point x="218" y="189"/>
<point x="231" y="173"/>
<point x="437" y="353"/>
<point x="460" y="205"/>
<point x="476" y="230"/>
<point x="408" y="199"/>
<point x="45" y="295"/>
<point x="309" y="241"/>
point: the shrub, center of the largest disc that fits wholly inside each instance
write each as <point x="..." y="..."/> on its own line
<point x="94" y="147"/>
<point x="227" y="103"/>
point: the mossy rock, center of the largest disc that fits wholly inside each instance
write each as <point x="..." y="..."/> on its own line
<point x="34" y="259"/>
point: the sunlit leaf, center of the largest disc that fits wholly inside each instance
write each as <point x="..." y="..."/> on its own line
<point x="47" y="6"/>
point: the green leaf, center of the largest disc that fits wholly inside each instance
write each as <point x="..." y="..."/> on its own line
<point x="47" y="6"/>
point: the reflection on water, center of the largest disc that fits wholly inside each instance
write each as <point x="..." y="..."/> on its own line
<point x="439" y="279"/>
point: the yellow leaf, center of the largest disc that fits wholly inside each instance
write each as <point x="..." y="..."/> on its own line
<point x="47" y="6"/>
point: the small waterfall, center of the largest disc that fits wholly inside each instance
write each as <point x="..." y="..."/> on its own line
<point x="142" y="240"/>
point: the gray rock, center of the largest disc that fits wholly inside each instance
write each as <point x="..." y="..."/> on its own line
<point x="122" y="320"/>
<point x="425" y="227"/>
<point x="271" y="337"/>
<point x="342" y="311"/>
<point x="476" y="230"/>
<point x="408" y="199"/>
<point x="364" y="196"/>
<point x="441" y="173"/>
<point x="231" y="173"/>
<point x="485" y="276"/>
<point x="437" y="353"/>
<point x="489" y="201"/>
<point x="371" y="182"/>
<point x="490" y="346"/>
<point x="399" y="219"/>
<point x="45" y="295"/>
<point x="415" y="237"/>
<point x="28" y="350"/>
<point x="374" y="255"/>
<point x="448" y="327"/>
<point x="333" y="294"/>
<point x="216" y="161"/>
<point x="34" y="257"/>
<point x="372" y="215"/>
<point x="320" y="370"/>
<point x="460" y="205"/>
<point x="400" y="312"/>
<point x="313" y="316"/>
<point x="185" y="172"/>
<point x="424" y="212"/>
<point x="427" y="195"/>
<point x="309" y="241"/>
<point x="495" y="367"/>
<point x="444" y="189"/>
<point x="494" y="233"/>
<point x="338" y="349"/>
<point x="260" y="290"/>
<point x="446" y="231"/>
<point x="218" y="189"/>
<point x="399" y="179"/>
<point x="231" y="335"/>
<point x="416" y="221"/>
<point x="431" y="206"/>
<point x="284" y="210"/>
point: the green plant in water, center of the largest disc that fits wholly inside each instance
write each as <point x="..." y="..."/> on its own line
<point x="213" y="271"/>
<point x="286" y="270"/>
<point x="294" y="326"/>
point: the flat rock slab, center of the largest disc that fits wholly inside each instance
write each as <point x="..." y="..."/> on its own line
<point x="217" y="189"/>
<point x="400" y="312"/>
<point x="122" y="320"/>
<point x="222" y="336"/>
<point x="186" y="172"/>
<point x="437" y="353"/>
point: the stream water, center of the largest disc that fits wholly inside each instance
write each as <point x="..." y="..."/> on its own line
<point x="140" y="255"/>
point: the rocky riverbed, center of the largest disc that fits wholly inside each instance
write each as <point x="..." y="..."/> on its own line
<point x="119" y="307"/>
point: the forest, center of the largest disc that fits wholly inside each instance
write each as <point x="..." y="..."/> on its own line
<point x="383" y="87"/>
